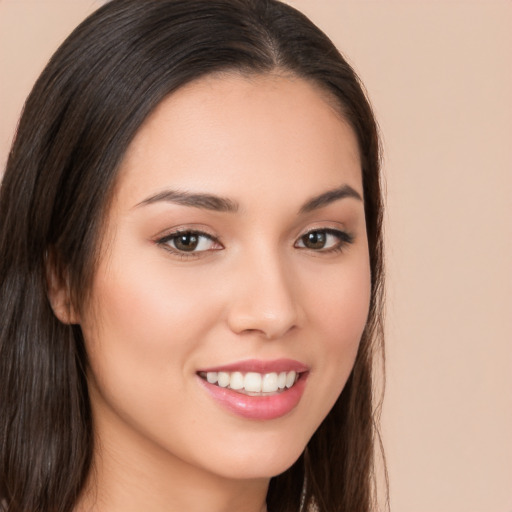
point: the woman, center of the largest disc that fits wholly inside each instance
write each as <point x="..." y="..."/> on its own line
<point x="191" y="268"/>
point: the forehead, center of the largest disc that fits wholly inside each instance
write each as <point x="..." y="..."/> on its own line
<point x="238" y="135"/>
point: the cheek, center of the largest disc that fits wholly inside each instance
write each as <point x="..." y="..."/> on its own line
<point x="342" y="305"/>
<point x="148" y="304"/>
<point x="340" y="314"/>
<point x="143" y="326"/>
<point x="347" y="315"/>
<point x="141" y="334"/>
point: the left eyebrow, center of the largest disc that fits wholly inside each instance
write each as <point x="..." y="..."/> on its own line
<point x="329" y="197"/>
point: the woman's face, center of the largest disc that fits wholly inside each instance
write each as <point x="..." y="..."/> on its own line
<point x="234" y="281"/>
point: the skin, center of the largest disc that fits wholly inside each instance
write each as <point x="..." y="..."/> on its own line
<point x="269" y="143"/>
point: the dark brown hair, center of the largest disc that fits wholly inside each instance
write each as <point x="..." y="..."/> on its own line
<point x="77" y="123"/>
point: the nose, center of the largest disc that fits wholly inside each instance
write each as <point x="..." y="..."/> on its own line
<point x="263" y="299"/>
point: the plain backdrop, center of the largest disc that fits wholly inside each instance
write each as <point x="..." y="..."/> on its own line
<point x="439" y="75"/>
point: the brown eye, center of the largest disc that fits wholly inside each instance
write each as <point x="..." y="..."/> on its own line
<point x="324" y="240"/>
<point x="315" y="240"/>
<point x="186" y="242"/>
<point x="192" y="242"/>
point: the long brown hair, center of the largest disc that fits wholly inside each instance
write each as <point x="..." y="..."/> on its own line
<point x="77" y="123"/>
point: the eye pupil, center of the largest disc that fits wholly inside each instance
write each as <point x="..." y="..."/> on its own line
<point x="315" y="240"/>
<point x="186" y="242"/>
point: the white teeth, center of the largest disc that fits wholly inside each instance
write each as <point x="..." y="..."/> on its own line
<point x="281" y="380"/>
<point x="269" y="383"/>
<point x="253" y="382"/>
<point x="223" y="379"/>
<point x="290" y="379"/>
<point x="211" y="377"/>
<point x="236" y="381"/>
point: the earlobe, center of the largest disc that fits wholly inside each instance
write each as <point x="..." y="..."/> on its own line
<point x="59" y="292"/>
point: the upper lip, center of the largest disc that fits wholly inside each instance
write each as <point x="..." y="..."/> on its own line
<point x="259" y="366"/>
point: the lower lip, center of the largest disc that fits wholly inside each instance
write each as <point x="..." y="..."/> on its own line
<point x="258" y="407"/>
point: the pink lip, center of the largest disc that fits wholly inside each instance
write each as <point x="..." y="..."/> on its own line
<point x="259" y="407"/>
<point x="260" y="366"/>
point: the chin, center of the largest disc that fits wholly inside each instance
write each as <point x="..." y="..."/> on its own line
<point x="260" y="462"/>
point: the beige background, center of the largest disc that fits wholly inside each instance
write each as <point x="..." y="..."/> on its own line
<point x="440" y="76"/>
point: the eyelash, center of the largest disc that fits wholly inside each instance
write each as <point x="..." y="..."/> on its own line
<point x="343" y="237"/>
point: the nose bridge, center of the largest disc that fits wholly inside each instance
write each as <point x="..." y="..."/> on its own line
<point x="263" y="298"/>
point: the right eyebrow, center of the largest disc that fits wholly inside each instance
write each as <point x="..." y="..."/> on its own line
<point x="195" y="200"/>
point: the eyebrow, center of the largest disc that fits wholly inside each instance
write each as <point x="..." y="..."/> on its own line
<point x="224" y="204"/>
<point x="204" y="201"/>
<point x="329" y="197"/>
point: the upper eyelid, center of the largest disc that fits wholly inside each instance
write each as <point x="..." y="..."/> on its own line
<point x="326" y="229"/>
<point x="167" y="235"/>
<point x="329" y="230"/>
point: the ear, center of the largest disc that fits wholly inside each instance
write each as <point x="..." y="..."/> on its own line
<point x="59" y="293"/>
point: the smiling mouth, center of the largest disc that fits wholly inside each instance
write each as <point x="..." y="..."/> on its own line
<point x="253" y="383"/>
